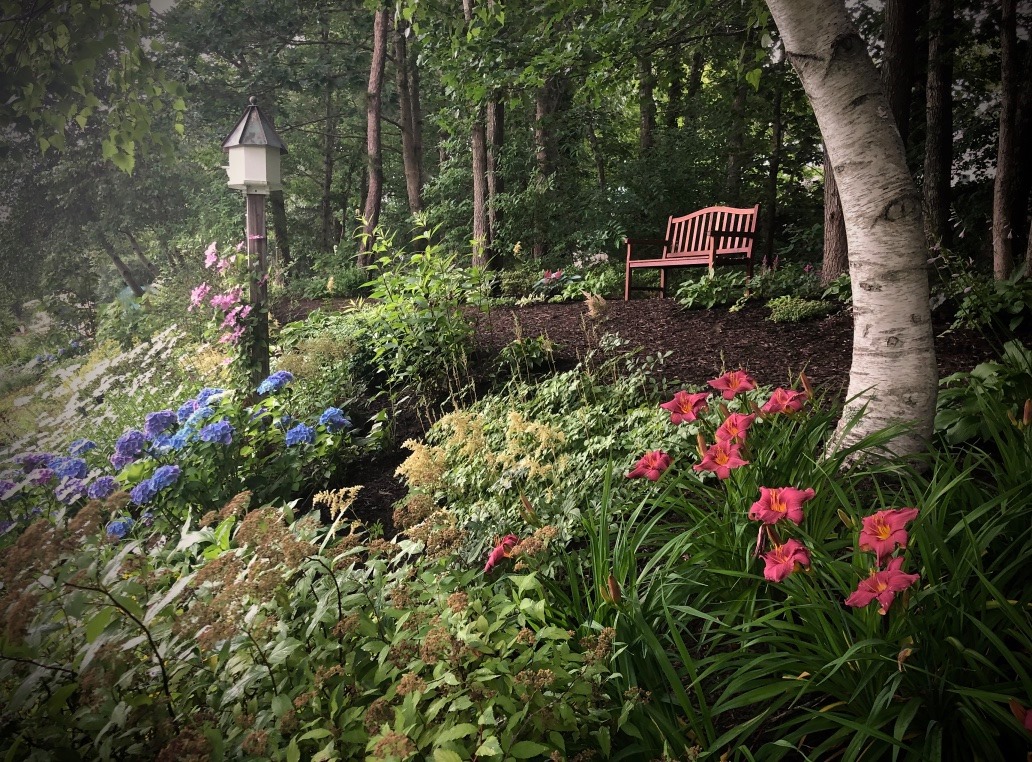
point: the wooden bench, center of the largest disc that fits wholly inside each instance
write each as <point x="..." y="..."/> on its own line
<point x="709" y="237"/>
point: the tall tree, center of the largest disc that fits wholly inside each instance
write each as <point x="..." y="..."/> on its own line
<point x="893" y="377"/>
<point x="408" y="97"/>
<point x="374" y="114"/>
<point x="899" y="31"/>
<point x="646" y="104"/>
<point x="478" y="147"/>
<point x="836" y="248"/>
<point x="938" y="158"/>
<point x="1003" y="185"/>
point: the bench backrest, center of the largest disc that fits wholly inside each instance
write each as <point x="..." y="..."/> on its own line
<point x="690" y="235"/>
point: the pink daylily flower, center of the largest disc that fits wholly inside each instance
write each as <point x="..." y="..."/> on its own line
<point x="734" y="427"/>
<point x="1021" y="714"/>
<point x="882" y="586"/>
<point x="732" y="383"/>
<point x="884" y="531"/>
<point x="211" y="255"/>
<point x="685" y="407"/>
<point x="651" y="466"/>
<point x="782" y="560"/>
<point x="721" y="458"/>
<point x="784" y="401"/>
<point x="501" y="551"/>
<point x="778" y="503"/>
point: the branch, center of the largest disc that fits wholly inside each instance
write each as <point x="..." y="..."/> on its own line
<point x="35" y="663"/>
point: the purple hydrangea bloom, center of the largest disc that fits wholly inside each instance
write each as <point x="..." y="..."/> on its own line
<point x="120" y="461"/>
<point x="158" y="422"/>
<point x="6" y="485"/>
<point x="119" y="528"/>
<point x="30" y="461"/>
<point x="186" y="410"/>
<point x="6" y="526"/>
<point x="299" y="434"/>
<point x="102" y="487"/>
<point x="333" y="419"/>
<point x="143" y="492"/>
<point x="275" y="382"/>
<point x="165" y="476"/>
<point x="131" y="443"/>
<point x="70" y="490"/>
<point x="81" y="447"/>
<point x="68" y="467"/>
<point x="205" y="394"/>
<point x="220" y="432"/>
<point x="40" y="476"/>
<point x="147" y="518"/>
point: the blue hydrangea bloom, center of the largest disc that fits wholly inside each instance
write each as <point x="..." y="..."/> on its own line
<point x="81" y="447"/>
<point x="147" y="518"/>
<point x="333" y="419"/>
<point x="30" y="461"/>
<point x="186" y="410"/>
<point x="199" y="415"/>
<point x="159" y="422"/>
<point x="285" y="421"/>
<point x="220" y="432"/>
<point x="299" y="434"/>
<point x="5" y="485"/>
<point x="70" y="490"/>
<point x="180" y="439"/>
<point x="120" y="461"/>
<point x="143" y="492"/>
<point x="165" y="476"/>
<point x="6" y="526"/>
<point x="205" y="394"/>
<point x="131" y="443"/>
<point x="102" y="487"/>
<point x="68" y="467"/>
<point x="119" y="527"/>
<point x="275" y="382"/>
<point x="40" y="476"/>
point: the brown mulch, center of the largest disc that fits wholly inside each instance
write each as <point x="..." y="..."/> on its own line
<point x="701" y="345"/>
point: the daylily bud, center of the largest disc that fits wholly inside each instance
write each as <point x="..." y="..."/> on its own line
<point x="528" y="513"/>
<point x="902" y="656"/>
<point x="806" y="385"/>
<point x="724" y="410"/>
<point x="614" y="589"/>
<point x="755" y="408"/>
<point x="701" y="441"/>
<point x="1027" y="417"/>
<point x="1014" y="421"/>
<point x="846" y="518"/>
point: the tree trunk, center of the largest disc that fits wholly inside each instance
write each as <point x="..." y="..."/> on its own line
<point x="495" y="183"/>
<point x="646" y="105"/>
<point x="545" y="149"/>
<point x="675" y="92"/>
<point x="329" y="152"/>
<point x="938" y="158"/>
<point x="893" y="378"/>
<point x="374" y="158"/>
<point x="279" y="229"/>
<point x="771" y="200"/>
<point x="410" y="158"/>
<point x="1022" y="156"/>
<point x="736" y="134"/>
<point x="478" y="144"/>
<point x="121" y="266"/>
<point x="897" y="69"/>
<point x="1003" y="186"/>
<point x="836" y="249"/>
<point x="596" y="151"/>
<point x="138" y="251"/>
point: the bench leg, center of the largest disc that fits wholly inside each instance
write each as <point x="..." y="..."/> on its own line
<point x="662" y="283"/>
<point x="627" y="283"/>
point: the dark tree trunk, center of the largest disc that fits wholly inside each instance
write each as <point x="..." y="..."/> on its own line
<point x="1023" y="156"/>
<point x="152" y="269"/>
<point x="326" y="205"/>
<point x="736" y="134"/>
<point x="495" y="183"/>
<point x="675" y="92"/>
<point x="374" y="158"/>
<point x="546" y="105"/>
<point x="771" y="201"/>
<point x="938" y="158"/>
<point x="1003" y="187"/>
<point x="836" y="250"/>
<point x="279" y="229"/>
<point x="897" y="69"/>
<point x="596" y="151"/>
<point x="481" y="227"/>
<point x="646" y="105"/>
<point x="695" y="77"/>
<point x="121" y="266"/>
<point x="410" y="157"/>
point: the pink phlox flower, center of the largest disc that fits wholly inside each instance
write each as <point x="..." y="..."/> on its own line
<point x="255" y="237"/>
<point x="884" y="531"/>
<point x="882" y="586"/>
<point x="778" y="503"/>
<point x="784" y="401"/>
<point x="230" y="321"/>
<point x="241" y="246"/>
<point x="550" y="276"/>
<point x="721" y="458"/>
<point x="782" y="560"/>
<point x="233" y="337"/>
<point x="734" y="427"/>
<point x="198" y="295"/>
<point x="228" y="300"/>
<point x="685" y="407"/>
<point x="651" y="466"/>
<point x="501" y="551"/>
<point x="211" y="255"/>
<point x="732" y="383"/>
<point x="224" y="264"/>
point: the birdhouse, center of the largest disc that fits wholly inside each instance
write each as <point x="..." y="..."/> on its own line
<point x="254" y="151"/>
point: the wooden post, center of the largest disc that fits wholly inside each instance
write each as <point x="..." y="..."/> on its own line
<point x="257" y="269"/>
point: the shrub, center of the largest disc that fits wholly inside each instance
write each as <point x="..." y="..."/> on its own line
<point x="792" y="309"/>
<point x="711" y="290"/>
<point x="840" y="289"/>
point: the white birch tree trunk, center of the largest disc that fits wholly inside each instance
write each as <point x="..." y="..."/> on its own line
<point x="893" y="374"/>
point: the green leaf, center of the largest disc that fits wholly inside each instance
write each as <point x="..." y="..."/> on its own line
<point x="293" y="752"/>
<point x="489" y="748"/>
<point x="530" y="749"/>
<point x="446" y="755"/>
<point x="98" y="622"/>
<point x="456" y="732"/>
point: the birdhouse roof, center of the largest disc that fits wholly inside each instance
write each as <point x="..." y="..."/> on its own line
<point x="254" y="129"/>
